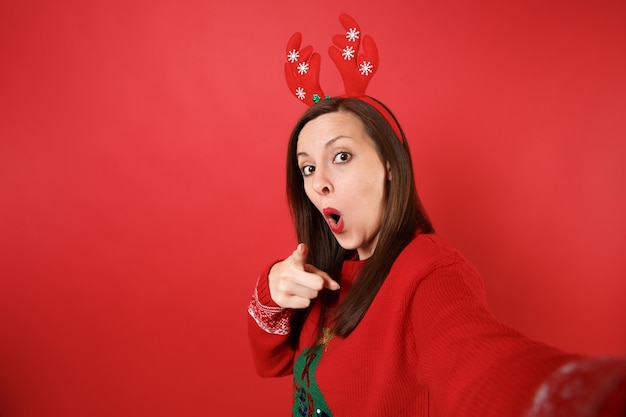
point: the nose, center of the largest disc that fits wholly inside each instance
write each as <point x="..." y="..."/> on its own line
<point x="321" y="182"/>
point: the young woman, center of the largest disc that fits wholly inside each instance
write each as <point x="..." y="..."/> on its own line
<point x="375" y="315"/>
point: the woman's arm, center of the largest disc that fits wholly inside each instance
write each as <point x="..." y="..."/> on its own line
<point x="286" y="285"/>
<point x="475" y="365"/>
<point x="269" y="326"/>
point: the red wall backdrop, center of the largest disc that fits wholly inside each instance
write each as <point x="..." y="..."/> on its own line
<point x="141" y="181"/>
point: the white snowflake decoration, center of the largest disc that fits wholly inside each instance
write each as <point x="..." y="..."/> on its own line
<point x="366" y="68"/>
<point x="348" y="53"/>
<point x="293" y="55"/>
<point x="352" y="35"/>
<point x="303" y="68"/>
<point x="300" y="93"/>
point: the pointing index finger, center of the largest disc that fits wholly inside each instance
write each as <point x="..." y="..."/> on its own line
<point x="329" y="283"/>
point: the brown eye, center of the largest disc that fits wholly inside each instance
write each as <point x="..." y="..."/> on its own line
<point x="342" y="158"/>
<point x="307" y="170"/>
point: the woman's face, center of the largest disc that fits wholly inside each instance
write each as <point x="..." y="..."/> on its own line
<point x="344" y="177"/>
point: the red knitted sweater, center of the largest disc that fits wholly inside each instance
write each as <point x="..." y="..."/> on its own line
<point x="429" y="346"/>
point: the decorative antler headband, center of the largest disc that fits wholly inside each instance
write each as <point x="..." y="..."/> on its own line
<point x="357" y="67"/>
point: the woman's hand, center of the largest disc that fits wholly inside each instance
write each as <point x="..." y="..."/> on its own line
<point x="294" y="283"/>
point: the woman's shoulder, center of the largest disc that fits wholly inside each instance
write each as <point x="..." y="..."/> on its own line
<point x="428" y="246"/>
<point x="427" y="252"/>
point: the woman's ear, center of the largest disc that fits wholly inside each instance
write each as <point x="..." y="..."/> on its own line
<point x="388" y="171"/>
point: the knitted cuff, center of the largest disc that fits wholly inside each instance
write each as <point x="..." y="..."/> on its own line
<point x="270" y="318"/>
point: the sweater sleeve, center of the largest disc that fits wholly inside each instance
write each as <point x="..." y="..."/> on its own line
<point x="477" y="366"/>
<point x="269" y="326"/>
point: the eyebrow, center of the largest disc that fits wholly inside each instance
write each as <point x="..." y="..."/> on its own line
<point x="326" y="145"/>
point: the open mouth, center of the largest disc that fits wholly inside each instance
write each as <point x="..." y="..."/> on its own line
<point x="334" y="219"/>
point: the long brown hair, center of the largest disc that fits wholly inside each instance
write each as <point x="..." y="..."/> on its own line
<point x="403" y="218"/>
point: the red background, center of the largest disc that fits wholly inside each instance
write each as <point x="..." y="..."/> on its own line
<point x="142" y="187"/>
